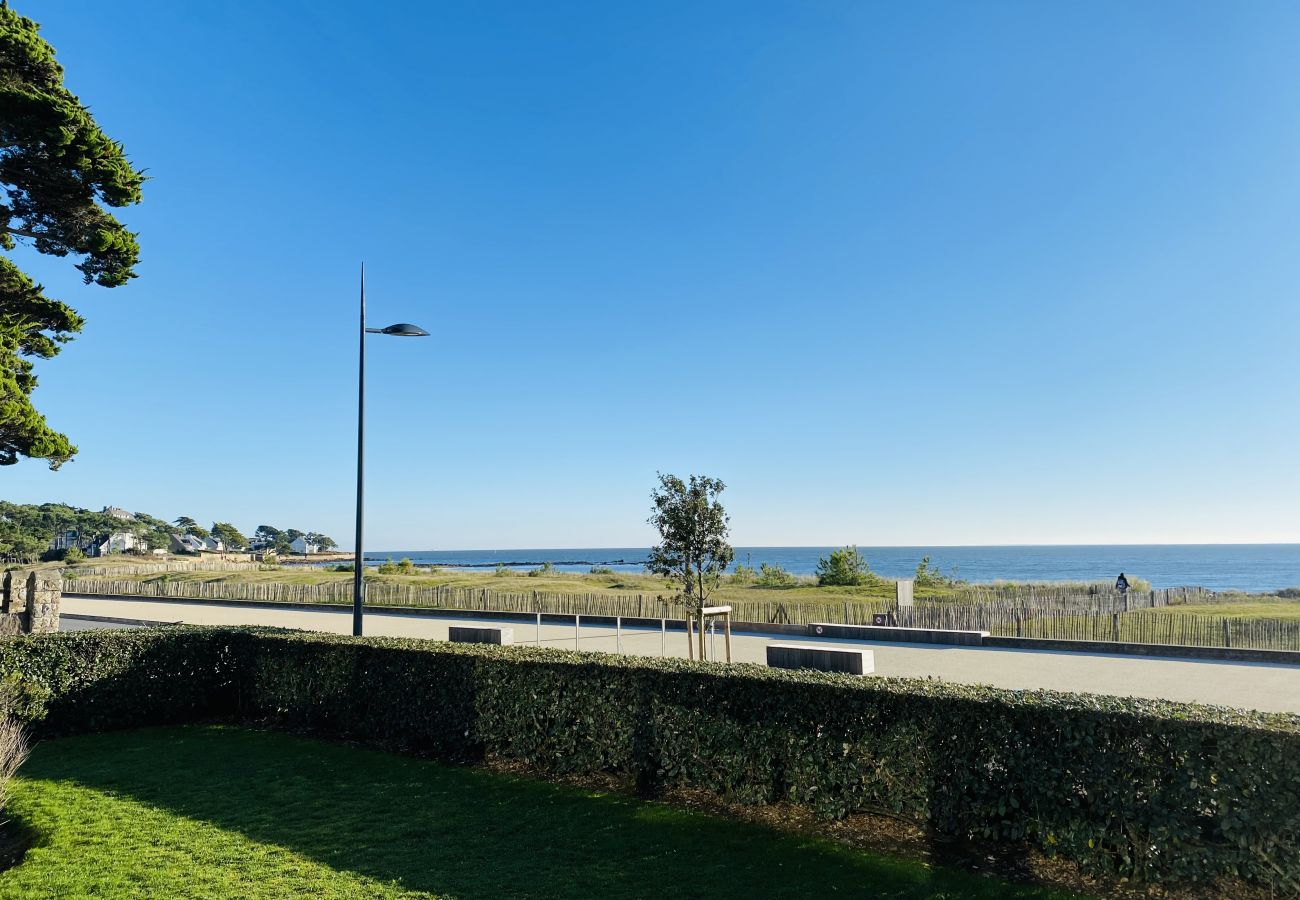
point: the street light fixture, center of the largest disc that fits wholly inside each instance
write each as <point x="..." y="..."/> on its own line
<point x="401" y="329"/>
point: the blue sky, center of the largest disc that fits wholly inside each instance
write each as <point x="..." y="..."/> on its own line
<point x="910" y="273"/>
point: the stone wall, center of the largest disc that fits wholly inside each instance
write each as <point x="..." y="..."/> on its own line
<point x="30" y="601"/>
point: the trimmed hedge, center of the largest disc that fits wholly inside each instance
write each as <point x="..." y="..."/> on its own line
<point x="1161" y="791"/>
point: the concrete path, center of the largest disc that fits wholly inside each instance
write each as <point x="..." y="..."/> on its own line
<point x="1264" y="686"/>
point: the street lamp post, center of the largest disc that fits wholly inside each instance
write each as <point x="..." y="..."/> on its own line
<point x="401" y="329"/>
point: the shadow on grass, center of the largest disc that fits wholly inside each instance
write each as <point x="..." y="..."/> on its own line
<point x="468" y="833"/>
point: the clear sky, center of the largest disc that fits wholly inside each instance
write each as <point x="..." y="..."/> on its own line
<point x="898" y="273"/>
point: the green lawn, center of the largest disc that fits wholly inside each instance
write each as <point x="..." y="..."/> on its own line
<point x="224" y="812"/>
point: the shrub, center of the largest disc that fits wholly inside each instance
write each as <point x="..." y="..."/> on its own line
<point x="406" y="567"/>
<point x="388" y="568"/>
<point x="742" y="575"/>
<point x="845" y="567"/>
<point x="342" y="567"/>
<point x="774" y="576"/>
<point x="73" y="555"/>
<point x="542" y="571"/>
<point x="69" y="575"/>
<point x="503" y="571"/>
<point x="930" y="576"/>
<point x="1158" y="790"/>
<point x="600" y="570"/>
<point x="1289" y="593"/>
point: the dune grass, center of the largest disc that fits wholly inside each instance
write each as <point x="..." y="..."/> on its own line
<point x="210" y="811"/>
<point x="1245" y="607"/>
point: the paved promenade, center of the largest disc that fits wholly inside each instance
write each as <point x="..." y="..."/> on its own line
<point x="1263" y="686"/>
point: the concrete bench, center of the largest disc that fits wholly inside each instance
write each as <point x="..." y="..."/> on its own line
<point x="463" y="634"/>
<point x="821" y="658"/>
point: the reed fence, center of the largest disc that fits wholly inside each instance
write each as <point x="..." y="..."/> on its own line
<point x="160" y="568"/>
<point x="1105" y="617"/>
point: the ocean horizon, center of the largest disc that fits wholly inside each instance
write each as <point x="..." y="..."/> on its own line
<point x="1245" y="567"/>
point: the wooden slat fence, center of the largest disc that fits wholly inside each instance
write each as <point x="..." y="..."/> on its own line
<point x="1099" y="617"/>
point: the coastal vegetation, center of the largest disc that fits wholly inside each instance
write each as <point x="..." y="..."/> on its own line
<point x="692" y="551"/>
<point x="28" y="529"/>
<point x="60" y="174"/>
<point x="951" y="763"/>
<point x="845" y="567"/>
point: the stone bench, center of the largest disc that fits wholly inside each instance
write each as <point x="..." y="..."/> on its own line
<point x="821" y="658"/>
<point x="463" y="634"/>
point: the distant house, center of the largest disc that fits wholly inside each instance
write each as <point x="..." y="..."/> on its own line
<point x="66" y="540"/>
<point x="118" y="512"/>
<point x="117" y="542"/>
<point x="187" y="543"/>
<point x="100" y="544"/>
<point x="302" y="547"/>
<point x="213" y="545"/>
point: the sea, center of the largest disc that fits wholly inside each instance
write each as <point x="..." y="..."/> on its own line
<point x="1254" y="568"/>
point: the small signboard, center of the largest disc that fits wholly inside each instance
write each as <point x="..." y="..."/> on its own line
<point x="903" y="591"/>
<point x="880" y="618"/>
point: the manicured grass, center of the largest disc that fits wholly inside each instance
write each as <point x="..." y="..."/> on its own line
<point x="224" y="812"/>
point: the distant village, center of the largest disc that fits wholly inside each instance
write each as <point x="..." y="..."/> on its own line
<point x="98" y="535"/>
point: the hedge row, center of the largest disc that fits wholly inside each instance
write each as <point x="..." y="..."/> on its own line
<point x="1156" y="790"/>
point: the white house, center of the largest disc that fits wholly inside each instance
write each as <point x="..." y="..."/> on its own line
<point x="301" y="546"/>
<point x="118" y="512"/>
<point x="118" y="542"/>
<point x="212" y="545"/>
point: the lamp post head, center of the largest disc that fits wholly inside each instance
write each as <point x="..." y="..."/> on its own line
<point x="404" y="329"/>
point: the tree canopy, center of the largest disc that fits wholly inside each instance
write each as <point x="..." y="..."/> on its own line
<point x="692" y="525"/>
<point x="58" y="173"/>
<point x="229" y="535"/>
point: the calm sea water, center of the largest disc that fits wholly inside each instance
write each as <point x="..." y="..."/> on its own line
<point x="1246" y="567"/>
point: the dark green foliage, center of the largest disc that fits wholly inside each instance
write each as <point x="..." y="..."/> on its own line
<point x="774" y="576"/>
<point x="545" y="570"/>
<point x="189" y="526"/>
<point x="58" y="171"/>
<point x="1157" y="790"/>
<point x="99" y="680"/>
<point x="229" y="535"/>
<point x="324" y="543"/>
<point x="928" y="575"/>
<point x="27" y="529"/>
<point x="692" y="525"/>
<point x="844" y="567"/>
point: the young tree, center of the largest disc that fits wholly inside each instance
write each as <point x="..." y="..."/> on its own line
<point x="845" y="567"/>
<point x="229" y="535"/>
<point x="692" y="525"/>
<point x="58" y="172"/>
